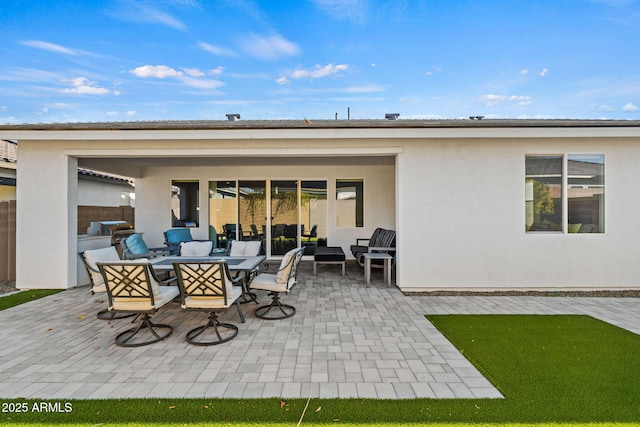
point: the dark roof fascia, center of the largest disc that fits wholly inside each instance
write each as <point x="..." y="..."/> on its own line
<point x="318" y="124"/>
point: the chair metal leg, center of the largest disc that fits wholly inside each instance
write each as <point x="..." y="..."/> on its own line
<point x="124" y="339"/>
<point x="238" y="302"/>
<point x="223" y="331"/>
<point x="110" y="315"/>
<point x="263" y="311"/>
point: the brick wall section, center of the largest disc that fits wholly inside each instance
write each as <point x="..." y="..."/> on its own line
<point x="7" y="240"/>
<point x="86" y="214"/>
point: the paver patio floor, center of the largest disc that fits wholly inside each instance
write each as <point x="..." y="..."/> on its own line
<point x="346" y="340"/>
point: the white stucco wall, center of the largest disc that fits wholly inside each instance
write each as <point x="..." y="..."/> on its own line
<point x="46" y="212"/>
<point x="462" y="215"/>
<point x="103" y="193"/>
<point x="455" y="198"/>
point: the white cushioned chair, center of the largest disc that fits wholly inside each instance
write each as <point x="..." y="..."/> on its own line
<point x="278" y="283"/>
<point x="208" y="286"/>
<point x="133" y="288"/>
<point x="89" y="259"/>
<point x="246" y="248"/>
<point x="196" y="248"/>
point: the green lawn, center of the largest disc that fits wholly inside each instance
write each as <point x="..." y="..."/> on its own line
<point x="18" y="298"/>
<point x="552" y="370"/>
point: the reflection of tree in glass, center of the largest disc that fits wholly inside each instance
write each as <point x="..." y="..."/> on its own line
<point x="543" y="202"/>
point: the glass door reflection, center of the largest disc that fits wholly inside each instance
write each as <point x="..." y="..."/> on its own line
<point x="252" y="212"/>
<point x="284" y="216"/>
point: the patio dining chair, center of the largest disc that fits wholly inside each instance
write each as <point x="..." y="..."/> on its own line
<point x="244" y="248"/>
<point x="133" y="289"/>
<point x="208" y="287"/>
<point x="174" y="236"/>
<point x="280" y="282"/>
<point x="89" y="259"/>
<point x="196" y="248"/>
<point x="134" y="247"/>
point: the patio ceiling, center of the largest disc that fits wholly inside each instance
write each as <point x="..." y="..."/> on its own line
<point x="120" y="164"/>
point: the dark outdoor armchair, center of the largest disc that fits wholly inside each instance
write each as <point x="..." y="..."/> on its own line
<point x="380" y="241"/>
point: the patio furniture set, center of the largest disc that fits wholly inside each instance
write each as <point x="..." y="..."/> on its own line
<point x="201" y="278"/>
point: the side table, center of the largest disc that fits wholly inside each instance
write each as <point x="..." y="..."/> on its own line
<point x="367" y="266"/>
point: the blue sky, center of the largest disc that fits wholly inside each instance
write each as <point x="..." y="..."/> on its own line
<point x="125" y="60"/>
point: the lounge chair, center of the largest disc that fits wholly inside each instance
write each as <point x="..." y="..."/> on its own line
<point x="380" y="241"/>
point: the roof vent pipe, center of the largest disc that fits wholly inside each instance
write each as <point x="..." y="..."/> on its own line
<point x="392" y="116"/>
<point x="233" y="117"/>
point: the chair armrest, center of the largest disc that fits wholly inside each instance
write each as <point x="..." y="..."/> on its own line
<point x="380" y="249"/>
<point x="160" y="249"/>
<point x="361" y="240"/>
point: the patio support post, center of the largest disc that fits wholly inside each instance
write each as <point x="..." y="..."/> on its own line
<point x="46" y="235"/>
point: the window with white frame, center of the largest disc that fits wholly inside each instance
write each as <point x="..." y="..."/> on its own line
<point x="564" y="193"/>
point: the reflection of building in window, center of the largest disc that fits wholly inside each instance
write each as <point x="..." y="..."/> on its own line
<point x="185" y="204"/>
<point x="350" y="203"/>
<point x="313" y="197"/>
<point x="585" y="193"/>
<point x="544" y="190"/>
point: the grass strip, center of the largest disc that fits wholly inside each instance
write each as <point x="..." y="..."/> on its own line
<point x="18" y="298"/>
<point x="569" y="370"/>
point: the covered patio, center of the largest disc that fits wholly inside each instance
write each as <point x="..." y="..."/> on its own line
<point x="346" y="340"/>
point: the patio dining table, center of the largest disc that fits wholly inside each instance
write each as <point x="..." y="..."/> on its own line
<point x="239" y="264"/>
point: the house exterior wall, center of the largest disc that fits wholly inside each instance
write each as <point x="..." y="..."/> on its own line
<point x="456" y="197"/>
<point x="103" y="193"/>
<point x="461" y="210"/>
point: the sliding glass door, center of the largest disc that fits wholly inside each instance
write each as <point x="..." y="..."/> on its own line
<point x="252" y="211"/>
<point x="284" y="216"/>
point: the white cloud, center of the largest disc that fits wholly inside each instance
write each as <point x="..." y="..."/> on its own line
<point x="216" y="50"/>
<point x="629" y="107"/>
<point x="51" y="47"/>
<point x="201" y="83"/>
<point x="189" y="76"/>
<point x="216" y="71"/>
<point x="345" y="10"/>
<point x="143" y="11"/>
<point x="365" y="89"/>
<point x="491" y="100"/>
<point x="605" y="107"/>
<point x="82" y="86"/>
<point x="318" y="71"/>
<point x="157" y="71"/>
<point x="283" y="81"/>
<point x="544" y="72"/>
<point x="524" y="71"/>
<point x="193" y="72"/>
<point x="131" y="113"/>
<point x="269" y="48"/>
